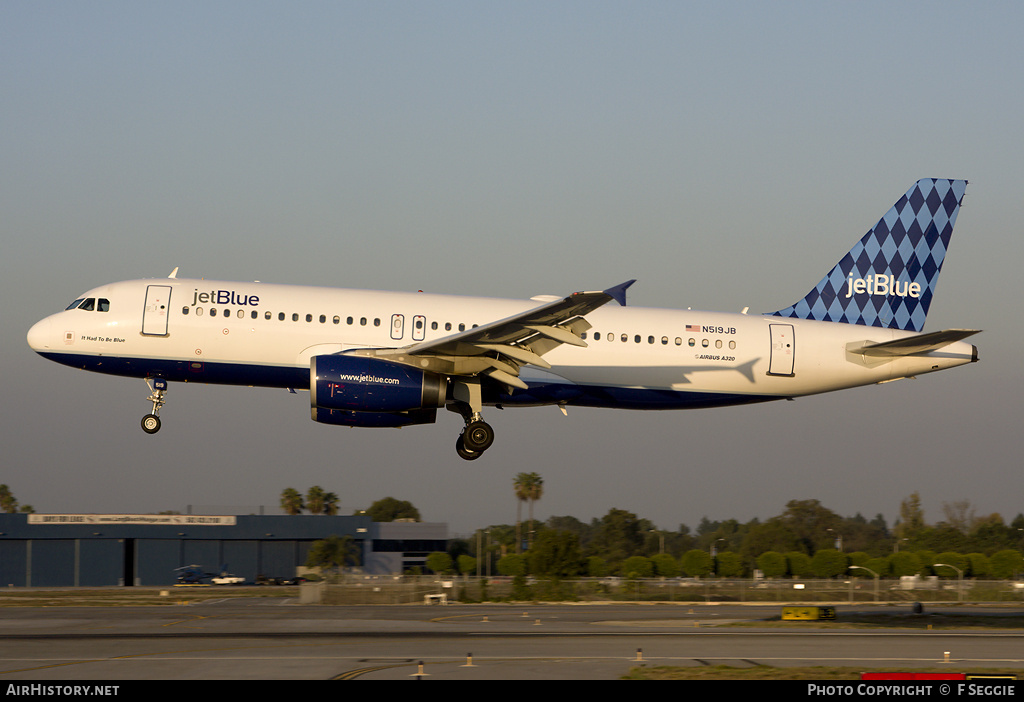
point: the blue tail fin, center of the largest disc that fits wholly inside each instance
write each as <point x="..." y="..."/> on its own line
<point x="888" y="278"/>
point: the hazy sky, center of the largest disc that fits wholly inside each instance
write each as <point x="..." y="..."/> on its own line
<point x="725" y="154"/>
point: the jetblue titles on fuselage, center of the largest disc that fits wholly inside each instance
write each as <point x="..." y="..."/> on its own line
<point x="224" y="297"/>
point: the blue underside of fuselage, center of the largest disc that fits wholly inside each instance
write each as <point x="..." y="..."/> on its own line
<point x="298" y="378"/>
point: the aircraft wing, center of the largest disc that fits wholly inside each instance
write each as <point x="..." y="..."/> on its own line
<point x="913" y="345"/>
<point x="498" y="349"/>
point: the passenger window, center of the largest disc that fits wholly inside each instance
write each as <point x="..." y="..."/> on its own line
<point x="199" y="311"/>
<point x="636" y="338"/>
<point x="447" y="326"/>
<point x="241" y="314"/>
<point x="184" y="310"/>
<point x="255" y="314"/>
<point x="732" y="344"/>
<point x="433" y="326"/>
<point x="337" y="319"/>
<point x="692" y="342"/>
<point x="704" y="343"/>
<point x="664" y="341"/>
<point x="376" y="322"/>
<point x="349" y="320"/>
<point x="295" y="316"/>
<point x="213" y="311"/>
<point x="227" y="313"/>
<point x="650" y="340"/>
<point x="280" y="316"/>
<point x="362" y="321"/>
<point x="462" y="327"/>
<point x="309" y="318"/>
<point x="679" y="342"/>
<point x="625" y="338"/>
<point x="718" y="344"/>
<point x="266" y="315"/>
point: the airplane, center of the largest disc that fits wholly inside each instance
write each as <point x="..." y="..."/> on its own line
<point x="392" y="359"/>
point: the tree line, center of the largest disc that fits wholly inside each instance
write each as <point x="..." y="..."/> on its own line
<point x="806" y="540"/>
<point x="9" y="503"/>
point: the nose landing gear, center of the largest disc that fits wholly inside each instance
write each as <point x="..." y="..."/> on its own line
<point x="157" y="390"/>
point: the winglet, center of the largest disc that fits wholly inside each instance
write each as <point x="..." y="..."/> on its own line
<point x="618" y="293"/>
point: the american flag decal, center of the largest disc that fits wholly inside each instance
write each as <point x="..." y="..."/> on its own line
<point x="693" y="327"/>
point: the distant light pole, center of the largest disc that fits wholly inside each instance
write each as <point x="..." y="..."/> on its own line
<point x="488" y="552"/>
<point x="960" y="579"/>
<point x="838" y="542"/>
<point x="479" y="553"/>
<point x="873" y="573"/>
<point x="714" y="547"/>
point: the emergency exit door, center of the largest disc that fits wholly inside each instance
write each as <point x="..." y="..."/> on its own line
<point x="783" y="349"/>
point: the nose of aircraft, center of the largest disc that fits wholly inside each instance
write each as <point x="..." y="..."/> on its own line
<point x="39" y="335"/>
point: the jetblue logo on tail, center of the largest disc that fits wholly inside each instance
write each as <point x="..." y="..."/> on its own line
<point x="882" y="285"/>
<point x="887" y="279"/>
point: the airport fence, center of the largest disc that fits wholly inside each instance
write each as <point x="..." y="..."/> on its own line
<point x="392" y="590"/>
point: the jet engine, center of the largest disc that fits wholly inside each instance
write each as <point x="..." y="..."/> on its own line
<point x="363" y="391"/>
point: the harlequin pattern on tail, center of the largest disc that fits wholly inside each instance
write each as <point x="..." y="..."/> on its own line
<point x="888" y="278"/>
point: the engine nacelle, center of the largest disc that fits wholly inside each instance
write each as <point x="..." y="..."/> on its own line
<point x="347" y="418"/>
<point x="370" y="386"/>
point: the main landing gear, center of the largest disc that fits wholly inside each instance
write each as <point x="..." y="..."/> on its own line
<point x="157" y="390"/>
<point x="478" y="435"/>
<point x="476" y="438"/>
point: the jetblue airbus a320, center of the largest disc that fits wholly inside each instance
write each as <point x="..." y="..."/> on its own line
<point x="392" y="359"/>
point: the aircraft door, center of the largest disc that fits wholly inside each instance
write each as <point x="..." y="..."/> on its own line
<point x="419" y="327"/>
<point x="155" y="313"/>
<point x="397" y="326"/>
<point x="783" y="350"/>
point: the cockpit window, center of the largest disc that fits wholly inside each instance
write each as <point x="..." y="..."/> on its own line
<point x="90" y="304"/>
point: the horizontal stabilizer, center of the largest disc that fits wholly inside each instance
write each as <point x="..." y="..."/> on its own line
<point x="915" y="345"/>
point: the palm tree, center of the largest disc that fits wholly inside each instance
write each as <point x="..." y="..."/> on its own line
<point x="528" y="488"/>
<point x="315" y="500"/>
<point x="535" y="493"/>
<point x="331" y="504"/>
<point x="291" y="501"/>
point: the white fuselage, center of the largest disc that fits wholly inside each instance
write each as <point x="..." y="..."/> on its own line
<point x="262" y="334"/>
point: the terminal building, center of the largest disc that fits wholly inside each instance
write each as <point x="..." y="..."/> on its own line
<point x="92" y="550"/>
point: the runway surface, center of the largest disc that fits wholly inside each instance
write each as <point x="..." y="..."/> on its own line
<point x="278" y="639"/>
